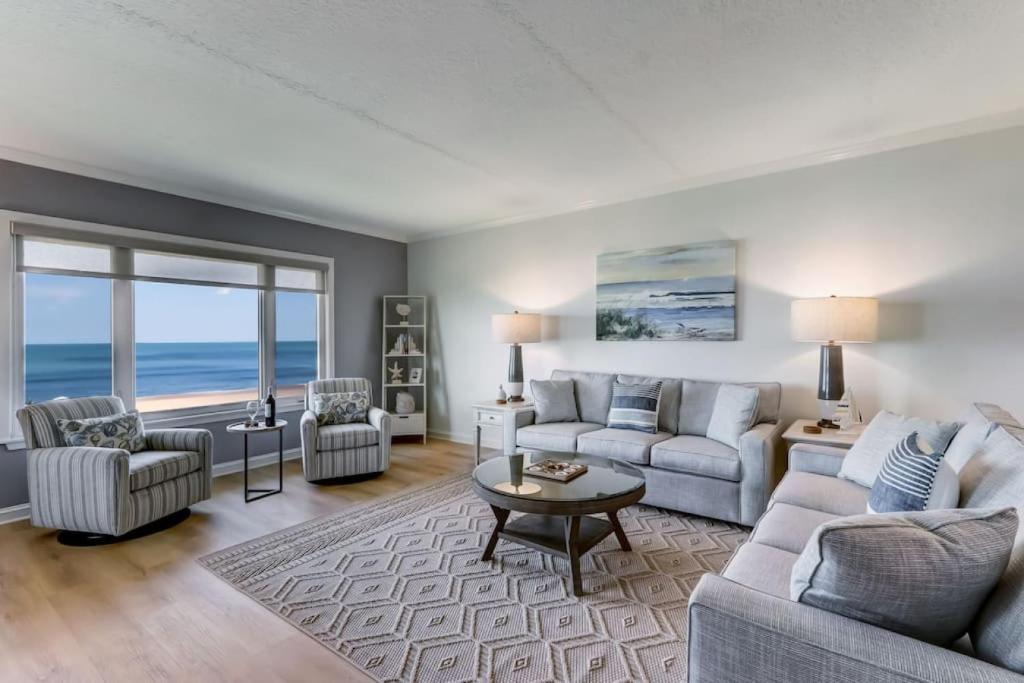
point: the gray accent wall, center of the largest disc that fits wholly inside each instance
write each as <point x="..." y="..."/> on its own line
<point x="365" y="269"/>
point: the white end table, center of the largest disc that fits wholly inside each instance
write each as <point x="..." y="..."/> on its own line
<point x="508" y="416"/>
<point x="828" y="437"/>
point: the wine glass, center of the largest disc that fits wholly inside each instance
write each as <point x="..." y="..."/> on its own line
<point x="253" y="408"/>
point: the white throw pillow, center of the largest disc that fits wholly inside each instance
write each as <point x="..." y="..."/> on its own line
<point x="733" y="414"/>
<point x="862" y="464"/>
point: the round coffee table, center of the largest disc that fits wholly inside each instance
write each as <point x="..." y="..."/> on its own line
<point x="556" y="517"/>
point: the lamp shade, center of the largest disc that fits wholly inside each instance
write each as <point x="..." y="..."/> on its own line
<point x="515" y="328"/>
<point x="834" y="319"/>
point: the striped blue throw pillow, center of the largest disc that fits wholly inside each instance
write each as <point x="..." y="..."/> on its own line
<point x="912" y="480"/>
<point x="635" y="406"/>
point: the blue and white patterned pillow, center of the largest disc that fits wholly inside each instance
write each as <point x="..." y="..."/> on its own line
<point x="635" y="406"/>
<point x="912" y="480"/>
<point x="341" y="408"/>
<point x="123" y="430"/>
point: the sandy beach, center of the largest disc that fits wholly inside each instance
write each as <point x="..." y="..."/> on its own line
<point x="149" y="404"/>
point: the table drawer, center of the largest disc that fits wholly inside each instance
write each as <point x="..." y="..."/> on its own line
<point x="486" y="417"/>
<point x="408" y="424"/>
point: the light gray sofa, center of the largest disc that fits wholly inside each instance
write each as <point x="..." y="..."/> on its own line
<point x="685" y="470"/>
<point x="109" y="491"/>
<point x="743" y="627"/>
<point x="344" y="450"/>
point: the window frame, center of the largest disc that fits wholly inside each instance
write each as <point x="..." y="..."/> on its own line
<point x="123" y="319"/>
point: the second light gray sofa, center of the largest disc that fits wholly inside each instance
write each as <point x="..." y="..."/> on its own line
<point x="685" y="470"/>
<point x="744" y="628"/>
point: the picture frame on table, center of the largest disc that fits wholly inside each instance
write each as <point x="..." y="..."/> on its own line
<point x="415" y="375"/>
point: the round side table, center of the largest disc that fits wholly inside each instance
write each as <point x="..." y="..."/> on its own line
<point x="260" y="428"/>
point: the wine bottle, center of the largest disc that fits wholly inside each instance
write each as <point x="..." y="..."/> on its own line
<point x="270" y="407"/>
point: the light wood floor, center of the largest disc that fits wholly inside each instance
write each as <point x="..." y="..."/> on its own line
<point x="145" y="610"/>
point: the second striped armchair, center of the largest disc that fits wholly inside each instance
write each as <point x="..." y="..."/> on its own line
<point x="342" y="450"/>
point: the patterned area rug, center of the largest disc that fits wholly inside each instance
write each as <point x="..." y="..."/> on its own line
<point x="398" y="589"/>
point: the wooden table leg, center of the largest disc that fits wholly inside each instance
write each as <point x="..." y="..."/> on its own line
<point x="572" y="549"/>
<point x="619" y="533"/>
<point x="501" y="516"/>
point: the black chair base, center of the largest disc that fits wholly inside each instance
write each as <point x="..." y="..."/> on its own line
<point x="350" y="479"/>
<point x="82" y="539"/>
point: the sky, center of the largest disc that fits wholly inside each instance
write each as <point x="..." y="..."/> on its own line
<point x="708" y="259"/>
<point x="62" y="310"/>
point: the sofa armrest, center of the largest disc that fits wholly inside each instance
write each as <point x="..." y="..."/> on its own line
<point x="381" y="420"/>
<point x="79" y="488"/>
<point x="759" y="448"/>
<point x="198" y="440"/>
<point x="739" y="635"/>
<point x="816" y="459"/>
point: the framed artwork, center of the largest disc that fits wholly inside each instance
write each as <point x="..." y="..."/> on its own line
<point x="415" y="375"/>
<point x="678" y="293"/>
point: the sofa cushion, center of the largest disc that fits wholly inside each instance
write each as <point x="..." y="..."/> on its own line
<point x="788" y="527"/>
<point x="994" y="477"/>
<point x="554" y="400"/>
<point x="821" y="493"/>
<point x="697" y="455"/>
<point x="697" y="403"/>
<point x="922" y="574"/>
<point x="554" y="436"/>
<point x="593" y="393"/>
<point x="345" y="436"/>
<point x="761" y="568"/>
<point x="668" y="409"/>
<point x="734" y="413"/>
<point x="146" y="468"/>
<point x="864" y="461"/>
<point x="979" y="420"/>
<point x="620" y="444"/>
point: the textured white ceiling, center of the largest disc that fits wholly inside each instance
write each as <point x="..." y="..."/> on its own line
<point x="412" y="118"/>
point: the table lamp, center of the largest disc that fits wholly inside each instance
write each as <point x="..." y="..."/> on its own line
<point x="515" y="328"/>
<point x="830" y="320"/>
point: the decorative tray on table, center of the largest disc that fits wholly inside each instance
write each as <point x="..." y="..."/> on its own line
<point x="554" y="470"/>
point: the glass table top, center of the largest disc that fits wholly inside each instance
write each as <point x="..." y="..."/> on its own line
<point x="603" y="479"/>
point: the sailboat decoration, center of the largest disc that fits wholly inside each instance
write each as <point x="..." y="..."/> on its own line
<point x="847" y="414"/>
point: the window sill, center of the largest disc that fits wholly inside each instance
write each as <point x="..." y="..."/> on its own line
<point x="15" y="443"/>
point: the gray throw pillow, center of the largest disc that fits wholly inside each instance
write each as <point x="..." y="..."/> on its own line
<point x="864" y="460"/>
<point x="554" y="401"/>
<point x="343" y="407"/>
<point x="734" y="413"/>
<point x="922" y="574"/>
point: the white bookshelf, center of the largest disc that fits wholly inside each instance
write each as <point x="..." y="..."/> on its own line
<point x="414" y="327"/>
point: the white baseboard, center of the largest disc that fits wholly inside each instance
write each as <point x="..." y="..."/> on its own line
<point x="450" y="436"/>
<point x="16" y="513"/>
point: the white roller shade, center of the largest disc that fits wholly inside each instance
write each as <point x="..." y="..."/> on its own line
<point x="50" y="256"/>
<point x="190" y="269"/>
<point x="296" y="279"/>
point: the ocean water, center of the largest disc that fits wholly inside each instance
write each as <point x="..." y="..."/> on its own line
<point x="53" y="370"/>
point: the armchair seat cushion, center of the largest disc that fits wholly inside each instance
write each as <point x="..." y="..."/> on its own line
<point x="620" y="444"/>
<point x="346" y="436"/>
<point x="554" y="436"/>
<point x="147" y="468"/>
<point x="697" y="455"/>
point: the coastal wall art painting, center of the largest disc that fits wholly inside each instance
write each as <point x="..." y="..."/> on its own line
<point x="678" y="293"/>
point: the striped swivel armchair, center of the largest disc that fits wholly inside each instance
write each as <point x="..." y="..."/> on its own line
<point x="109" y="491"/>
<point x="330" y="451"/>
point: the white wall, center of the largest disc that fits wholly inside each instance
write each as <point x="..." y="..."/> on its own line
<point x="936" y="232"/>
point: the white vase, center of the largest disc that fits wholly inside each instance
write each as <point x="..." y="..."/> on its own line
<point x="405" y="404"/>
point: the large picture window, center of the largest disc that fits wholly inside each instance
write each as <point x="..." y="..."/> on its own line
<point x="177" y="328"/>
